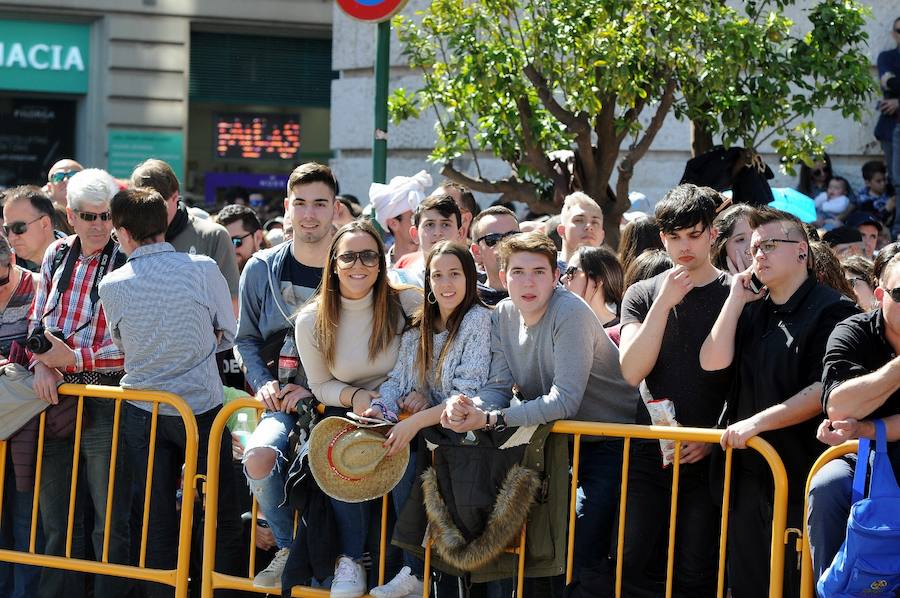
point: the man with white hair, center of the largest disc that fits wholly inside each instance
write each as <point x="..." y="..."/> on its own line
<point x="581" y="224"/>
<point x="67" y="301"/>
<point x="394" y="205"/>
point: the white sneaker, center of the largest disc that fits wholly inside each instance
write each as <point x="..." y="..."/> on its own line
<point x="349" y="579"/>
<point x="404" y="585"/>
<point x="270" y="577"/>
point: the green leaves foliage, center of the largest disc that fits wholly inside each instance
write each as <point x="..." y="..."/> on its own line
<point x="522" y="78"/>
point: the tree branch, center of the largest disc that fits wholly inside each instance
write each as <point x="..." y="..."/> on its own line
<point x="533" y="156"/>
<point x="512" y="188"/>
<point x="575" y="123"/>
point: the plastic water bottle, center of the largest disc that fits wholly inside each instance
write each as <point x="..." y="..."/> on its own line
<point x="288" y="361"/>
<point x="242" y="429"/>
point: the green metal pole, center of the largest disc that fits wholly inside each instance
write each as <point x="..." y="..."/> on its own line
<point x="382" y="66"/>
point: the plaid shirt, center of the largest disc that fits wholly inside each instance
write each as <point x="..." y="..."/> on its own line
<point x="93" y="346"/>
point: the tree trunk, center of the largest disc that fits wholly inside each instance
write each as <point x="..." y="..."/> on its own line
<point x="701" y="139"/>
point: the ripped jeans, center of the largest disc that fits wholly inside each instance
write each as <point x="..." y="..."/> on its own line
<point x="272" y="432"/>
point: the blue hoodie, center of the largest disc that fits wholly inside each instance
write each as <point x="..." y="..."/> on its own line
<point x="264" y="311"/>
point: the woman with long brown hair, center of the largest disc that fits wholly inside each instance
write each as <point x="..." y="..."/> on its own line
<point x="348" y="337"/>
<point x="446" y="352"/>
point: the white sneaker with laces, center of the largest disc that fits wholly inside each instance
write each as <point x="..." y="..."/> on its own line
<point x="349" y="579"/>
<point x="270" y="577"/>
<point x="404" y="585"/>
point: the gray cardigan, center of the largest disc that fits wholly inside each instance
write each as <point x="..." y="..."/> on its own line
<point x="465" y="367"/>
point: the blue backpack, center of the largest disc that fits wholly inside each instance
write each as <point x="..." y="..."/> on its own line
<point x="868" y="563"/>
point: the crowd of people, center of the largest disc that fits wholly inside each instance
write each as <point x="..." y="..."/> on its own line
<point x="430" y="313"/>
<point x="424" y="321"/>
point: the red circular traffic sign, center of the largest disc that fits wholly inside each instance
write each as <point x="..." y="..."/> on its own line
<point x="372" y="11"/>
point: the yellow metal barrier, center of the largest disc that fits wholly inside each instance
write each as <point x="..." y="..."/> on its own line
<point x="807" y="576"/>
<point x="214" y="580"/>
<point x="679" y="435"/>
<point x="177" y="578"/>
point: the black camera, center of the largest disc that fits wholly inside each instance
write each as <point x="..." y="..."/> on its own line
<point x="38" y="343"/>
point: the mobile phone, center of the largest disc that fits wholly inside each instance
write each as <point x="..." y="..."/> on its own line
<point x="366" y="420"/>
<point x="756" y="285"/>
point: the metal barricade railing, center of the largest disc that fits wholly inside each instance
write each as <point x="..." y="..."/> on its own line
<point x="679" y="435"/>
<point x="807" y="576"/>
<point x="178" y="577"/>
<point x="215" y="580"/>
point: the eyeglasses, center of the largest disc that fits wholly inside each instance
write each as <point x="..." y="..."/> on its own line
<point x="569" y="274"/>
<point x="494" y="238"/>
<point x="5" y="280"/>
<point x="894" y="293"/>
<point x="238" y="241"/>
<point x="19" y="228"/>
<point x="91" y="216"/>
<point x="368" y="258"/>
<point x="768" y="246"/>
<point x="855" y="279"/>
<point x="61" y="175"/>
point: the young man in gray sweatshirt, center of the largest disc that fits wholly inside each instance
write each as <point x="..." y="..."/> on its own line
<point x="549" y="344"/>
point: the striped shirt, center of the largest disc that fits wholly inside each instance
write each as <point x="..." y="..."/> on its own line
<point x="165" y="309"/>
<point x="14" y="317"/>
<point x="72" y="310"/>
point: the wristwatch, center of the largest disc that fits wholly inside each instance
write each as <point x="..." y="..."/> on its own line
<point x="499" y="421"/>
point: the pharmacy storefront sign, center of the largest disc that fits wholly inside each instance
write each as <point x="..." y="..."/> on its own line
<point x="40" y="56"/>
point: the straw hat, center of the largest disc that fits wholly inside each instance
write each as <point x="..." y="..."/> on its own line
<point x="350" y="463"/>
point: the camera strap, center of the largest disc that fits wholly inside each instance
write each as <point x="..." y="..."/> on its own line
<point x="70" y="256"/>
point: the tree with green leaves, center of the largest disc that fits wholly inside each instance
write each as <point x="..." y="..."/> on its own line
<point x="567" y="92"/>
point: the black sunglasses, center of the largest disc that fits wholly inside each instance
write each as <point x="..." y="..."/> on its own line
<point x="238" y="241"/>
<point x="91" y="216"/>
<point x="494" y="238"/>
<point x="5" y="280"/>
<point x="19" y="228"/>
<point x="894" y="293"/>
<point x="368" y="258"/>
<point x="569" y="273"/>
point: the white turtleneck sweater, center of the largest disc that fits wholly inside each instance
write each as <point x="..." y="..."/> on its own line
<point x="352" y="366"/>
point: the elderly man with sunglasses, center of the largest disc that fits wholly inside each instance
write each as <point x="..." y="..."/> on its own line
<point x="489" y="228"/>
<point x="67" y="301"/>
<point x="773" y="341"/>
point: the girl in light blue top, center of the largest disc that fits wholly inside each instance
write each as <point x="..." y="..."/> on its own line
<point x="447" y="351"/>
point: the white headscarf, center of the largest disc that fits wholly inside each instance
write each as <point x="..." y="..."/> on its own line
<point x="402" y="194"/>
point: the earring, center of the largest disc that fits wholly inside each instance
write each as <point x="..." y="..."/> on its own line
<point x="430" y="298"/>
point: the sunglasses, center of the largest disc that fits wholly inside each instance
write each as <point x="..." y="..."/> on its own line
<point x="894" y="293"/>
<point x="91" y="216"/>
<point x="494" y="238"/>
<point x="238" y="241"/>
<point x="19" y="228"/>
<point x="569" y="274"/>
<point x="768" y="246"/>
<point x="5" y="280"/>
<point x="61" y="175"/>
<point x="368" y="258"/>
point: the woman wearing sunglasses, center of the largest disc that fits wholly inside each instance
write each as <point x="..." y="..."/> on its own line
<point x="595" y="275"/>
<point x="348" y="337"/>
<point x="446" y="352"/>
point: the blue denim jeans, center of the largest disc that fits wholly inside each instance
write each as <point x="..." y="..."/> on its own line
<point x="599" y="476"/>
<point x="828" y="511"/>
<point x="96" y="445"/>
<point x="354" y="519"/>
<point x="163" y="525"/>
<point x="272" y="432"/>
<point x="17" y="581"/>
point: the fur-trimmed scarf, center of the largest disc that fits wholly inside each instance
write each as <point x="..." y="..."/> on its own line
<point x="514" y="501"/>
